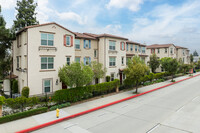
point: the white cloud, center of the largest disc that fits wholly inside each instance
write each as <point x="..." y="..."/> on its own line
<point x="44" y="13"/>
<point x="133" y="5"/>
<point x="169" y="24"/>
<point x="7" y="4"/>
<point x="71" y="16"/>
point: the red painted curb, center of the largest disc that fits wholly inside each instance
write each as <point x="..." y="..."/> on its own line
<point x="96" y="108"/>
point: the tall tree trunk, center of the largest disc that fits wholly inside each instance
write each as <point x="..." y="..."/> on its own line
<point x="136" y="91"/>
<point x="0" y="110"/>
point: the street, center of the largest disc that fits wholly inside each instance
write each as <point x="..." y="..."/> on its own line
<point x="174" y="109"/>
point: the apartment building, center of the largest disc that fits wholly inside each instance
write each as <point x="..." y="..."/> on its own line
<point x="168" y="50"/>
<point x="40" y="50"/>
<point x="136" y="49"/>
<point x="183" y="54"/>
<point x="112" y="54"/>
<point x="162" y="50"/>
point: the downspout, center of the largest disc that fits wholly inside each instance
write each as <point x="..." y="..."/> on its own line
<point x="27" y="57"/>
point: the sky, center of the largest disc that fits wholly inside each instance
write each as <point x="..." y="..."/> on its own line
<point x="143" y="21"/>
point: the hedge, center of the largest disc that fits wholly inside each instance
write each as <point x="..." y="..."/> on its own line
<point x="80" y="93"/>
<point x="22" y="114"/>
<point x="60" y="106"/>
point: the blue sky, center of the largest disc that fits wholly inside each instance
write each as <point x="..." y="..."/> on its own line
<point x="144" y="21"/>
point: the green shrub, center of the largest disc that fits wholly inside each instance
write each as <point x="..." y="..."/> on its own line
<point x="80" y="93"/>
<point x="107" y="78"/>
<point x="22" y="114"/>
<point x="60" y="106"/>
<point x="25" y="92"/>
<point x="159" y="75"/>
<point x="15" y="86"/>
<point x="151" y="76"/>
<point x="2" y="100"/>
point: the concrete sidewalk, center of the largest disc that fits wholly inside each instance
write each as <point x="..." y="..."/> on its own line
<point x="50" y="116"/>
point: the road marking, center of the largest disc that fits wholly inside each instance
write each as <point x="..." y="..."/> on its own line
<point x="180" y="108"/>
<point x="101" y="114"/>
<point x="70" y="125"/>
<point x="156" y="126"/>
<point x="124" y="106"/>
<point x="195" y="98"/>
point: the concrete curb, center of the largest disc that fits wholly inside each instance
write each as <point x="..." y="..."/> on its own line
<point x="96" y="108"/>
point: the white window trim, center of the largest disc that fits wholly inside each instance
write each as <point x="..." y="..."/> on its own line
<point x="43" y="85"/>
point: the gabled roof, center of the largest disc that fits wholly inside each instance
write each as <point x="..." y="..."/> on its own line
<point x="179" y="47"/>
<point x="81" y="35"/>
<point x="160" y="46"/>
<point x="105" y="35"/>
<point x="132" y="42"/>
<point x="32" y="26"/>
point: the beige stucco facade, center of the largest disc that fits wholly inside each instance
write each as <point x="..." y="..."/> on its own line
<point x="31" y="53"/>
<point x="32" y="61"/>
<point x="183" y="55"/>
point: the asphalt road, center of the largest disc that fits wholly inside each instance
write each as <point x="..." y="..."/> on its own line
<point x="174" y="109"/>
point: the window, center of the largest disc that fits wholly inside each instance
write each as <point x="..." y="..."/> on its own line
<point x="47" y="39"/>
<point x="171" y="50"/>
<point x="158" y="50"/>
<point x="47" y="62"/>
<point x="122" y="46"/>
<point x="47" y="85"/>
<point x="152" y="50"/>
<point x="112" y="45"/>
<point x="143" y="50"/>
<point x="183" y="60"/>
<point x="68" y="60"/>
<point x="135" y="48"/>
<point x="77" y="44"/>
<point x="183" y="52"/>
<point x="165" y="50"/>
<point x="77" y="59"/>
<point x="122" y="60"/>
<point x="131" y="47"/>
<point x="126" y="47"/>
<point x="124" y="76"/>
<point x="139" y="49"/>
<point x="112" y="76"/>
<point x="68" y="40"/>
<point x="87" y="43"/>
<point x="17" y="61"/>
<point x="95" y="53"/>
<point x="87" y="60"/>
<point x="112" y="61"/>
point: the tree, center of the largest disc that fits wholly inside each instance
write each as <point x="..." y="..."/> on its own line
<point x="154" y="63"/>
<point x="135" y="71"/>
<point x="191" y="58"/>
<point x="2" y="101"/>
<point x="98" y="70"/>
<point x="195" y="53"/>
<point x="170" y="65"/>
<point x="5" y="44"/>
<point x="76" y="74"/>
<point x="26" y="14"/>
<point x="25" y="91"/>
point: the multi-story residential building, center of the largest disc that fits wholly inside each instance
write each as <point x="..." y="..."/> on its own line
<point x="162" y="50"/>
<point x="40" y="50"/>
<point x="38" y="53"/>
<point x="169" y="50"/>
<point x="112" y="54"/>
<point x="136" y="49"/>
<point x="182" y="54"/>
